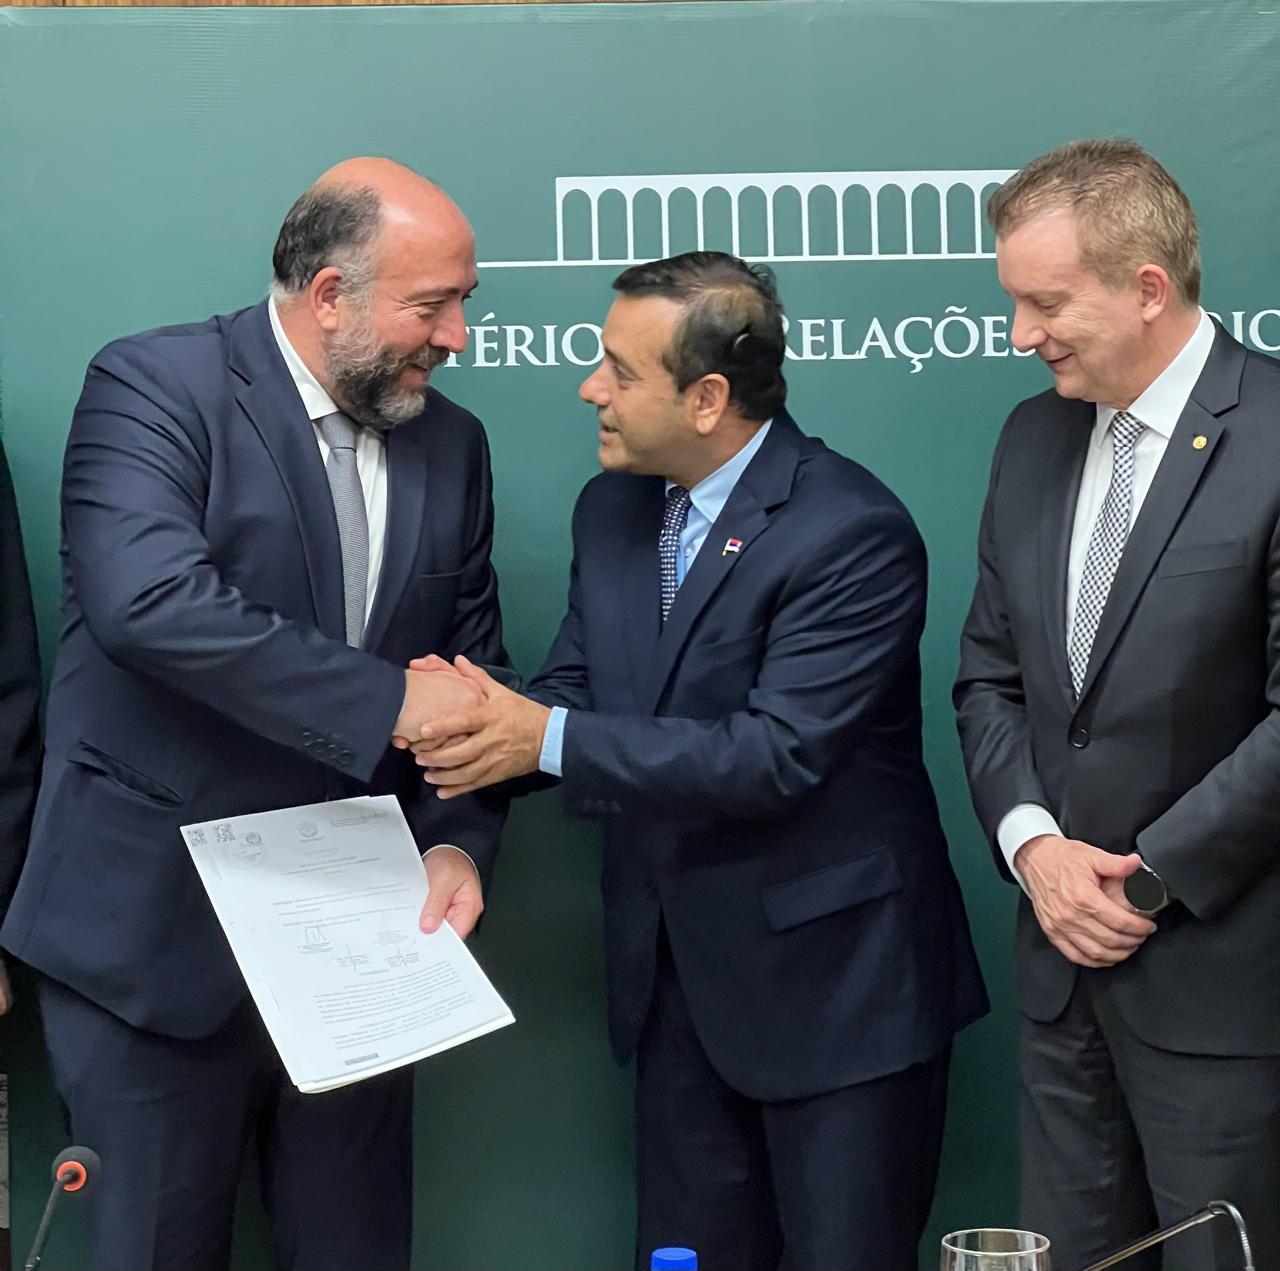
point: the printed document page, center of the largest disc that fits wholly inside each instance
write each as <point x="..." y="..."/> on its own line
<point x="320" y="905"/>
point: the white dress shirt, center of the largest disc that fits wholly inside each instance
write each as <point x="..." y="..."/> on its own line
<point x="1158" y="408"/>
<point x="371" y="454"/>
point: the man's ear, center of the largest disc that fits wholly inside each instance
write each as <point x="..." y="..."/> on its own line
<point x="709" y="399"/>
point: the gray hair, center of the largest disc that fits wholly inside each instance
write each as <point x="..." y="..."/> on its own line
<point x="328" y="226"/>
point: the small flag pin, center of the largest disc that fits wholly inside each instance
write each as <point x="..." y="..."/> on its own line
<point x="733" y="545"/>
<point x="1200" y="442"/>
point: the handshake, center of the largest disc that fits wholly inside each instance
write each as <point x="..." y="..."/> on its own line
<point x="465" y="729"/>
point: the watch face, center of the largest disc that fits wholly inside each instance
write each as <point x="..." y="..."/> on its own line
<point x="1143" y="890"/>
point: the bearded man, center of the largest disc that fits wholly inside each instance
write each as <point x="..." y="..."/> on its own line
<point x="265" y="517"/>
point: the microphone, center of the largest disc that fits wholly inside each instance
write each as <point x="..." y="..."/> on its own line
<point x="1214" y="1209"/>
<point x="75" y="1170"/>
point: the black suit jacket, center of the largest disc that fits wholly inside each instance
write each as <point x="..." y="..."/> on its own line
<point x="203" y="670"/>
<point x="19" y="693"/>
<point x="758" y="765"/>
<point x="1174" y="745"/>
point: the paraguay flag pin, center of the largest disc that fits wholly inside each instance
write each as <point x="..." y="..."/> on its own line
<point x="734" y="545"/>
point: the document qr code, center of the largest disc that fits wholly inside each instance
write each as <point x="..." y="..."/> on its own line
<point x="223" y="833"/>
<point x="196" y="838"/>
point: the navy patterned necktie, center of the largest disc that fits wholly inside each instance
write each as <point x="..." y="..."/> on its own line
<point x="674" y="516"/>
<point x="1106" y="544"/>
<point x="340" y="435"/>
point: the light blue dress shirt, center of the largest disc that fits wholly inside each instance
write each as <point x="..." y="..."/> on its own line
<point x="707" y="500"/>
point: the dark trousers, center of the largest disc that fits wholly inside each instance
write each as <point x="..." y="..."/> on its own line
<point x="1119" y="1138"/>
<point x="838" y="1182"/>
<point x="172" y="1121"/>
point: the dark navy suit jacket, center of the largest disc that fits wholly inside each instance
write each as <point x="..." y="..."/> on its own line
<point x="19" y="693"/>
<point x="758" y="766"/>
<point x="203" y="670"/>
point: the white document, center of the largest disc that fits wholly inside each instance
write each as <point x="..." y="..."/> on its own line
<point x="320" y="905"/>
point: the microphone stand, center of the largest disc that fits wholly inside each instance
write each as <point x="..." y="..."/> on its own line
<point x="1214" y="1209"/>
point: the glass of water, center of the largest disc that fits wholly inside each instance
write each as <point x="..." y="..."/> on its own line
<point x="994" y="1249"/>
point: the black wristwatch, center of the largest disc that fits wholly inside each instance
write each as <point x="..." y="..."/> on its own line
<point x="1145" y="890"/>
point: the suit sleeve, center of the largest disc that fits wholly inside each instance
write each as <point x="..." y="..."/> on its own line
<point x="843" y="629"/>
<point x="563" y="679"/>
<point x="19" y="693"/>
<point x="473" y="822"/>
<point x="1219" y="839"/>
<point x="990" y="701"/>
<point x="135" y="484"/>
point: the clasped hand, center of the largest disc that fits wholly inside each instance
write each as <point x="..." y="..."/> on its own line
<point x="468" y="731"/>
<point x="1078" y="894"/>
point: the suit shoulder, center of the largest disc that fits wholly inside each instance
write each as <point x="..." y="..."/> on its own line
<point x="443" y="418"/>
<point x="171" y="346"/>
<point x="840" y="488"/>
<point x="1261" y="374"/>
<point x="170" y="370"/>
<point x="603" y="500"/>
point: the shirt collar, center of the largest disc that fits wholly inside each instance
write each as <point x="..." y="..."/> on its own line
<point x="315" y="400"/>
<point x="1166" y="397"/>
<point x="711" y="493"/>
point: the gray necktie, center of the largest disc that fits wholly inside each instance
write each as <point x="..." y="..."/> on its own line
<point x="1106" y="544"/>
<point x="674" y="516"/>
<point x="340" y="434"/>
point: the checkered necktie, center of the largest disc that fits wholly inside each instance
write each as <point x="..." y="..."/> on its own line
<point x="1106" y="544"/>
<point x="339" y="435"/>
<point x="674" y="516"/>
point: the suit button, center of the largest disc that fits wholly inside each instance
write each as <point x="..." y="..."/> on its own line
<point x="306" y="736"/>
<point x="344" y="758"/>
<point x="1080" y="738"/>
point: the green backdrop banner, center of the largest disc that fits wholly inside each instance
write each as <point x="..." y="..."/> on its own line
<point x="146" y="160"/>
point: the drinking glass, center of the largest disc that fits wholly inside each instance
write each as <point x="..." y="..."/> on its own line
<point x="994" y="1249"/>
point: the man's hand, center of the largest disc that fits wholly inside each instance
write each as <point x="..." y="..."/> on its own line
<point x="455" y="895"/>
<point x="432" y="688"/>
<point x="6" y="990"/>
<point x="497" y="740"/>
<point x="1073" y="888"/>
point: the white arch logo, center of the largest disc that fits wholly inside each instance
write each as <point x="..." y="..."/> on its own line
<point x="952" y="200"/>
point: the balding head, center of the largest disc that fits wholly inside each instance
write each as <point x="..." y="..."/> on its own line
<point x="372" y="265"/>
<point x="341" y="217"/>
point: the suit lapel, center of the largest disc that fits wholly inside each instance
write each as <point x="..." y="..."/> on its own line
<point x="406" y="455"/>
<point x="765" y="483"/>
<point x="273" y="406"/>
<point x="1181" y="469"/>
<point x="1064" y="467"/>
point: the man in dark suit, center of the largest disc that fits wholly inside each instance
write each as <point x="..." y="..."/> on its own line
<point x="19" y="704"/>
<point x="736" y="691"/>
<point x="265" y="516"/>
<point x="1119" y="706"/>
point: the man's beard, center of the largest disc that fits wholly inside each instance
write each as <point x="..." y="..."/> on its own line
<point x="366" y="378"/>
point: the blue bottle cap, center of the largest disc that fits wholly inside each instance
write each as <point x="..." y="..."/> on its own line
<point x="673" y="1259"/>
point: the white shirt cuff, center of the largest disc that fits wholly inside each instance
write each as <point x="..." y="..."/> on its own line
<point x="456" y="848"/>
<point x="549" y="761"/>
<point x="1021" y="825"/>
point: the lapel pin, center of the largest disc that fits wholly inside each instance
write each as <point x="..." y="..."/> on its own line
<point x="1200" y="441"/>
<point x="734" y="545"/>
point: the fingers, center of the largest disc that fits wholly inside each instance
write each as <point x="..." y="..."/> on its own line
<point x="439" y="731"/>
<point x="454" y="892"/>
<point x="473" y="774"/>
<point x="463" y="915"/>
<point x="432" y="662"/>
<point x="1109" y="865"/>
<point x="433" y="911"/>
<point x="452" y="753"/>
<point x="476" y="674"/>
